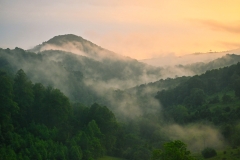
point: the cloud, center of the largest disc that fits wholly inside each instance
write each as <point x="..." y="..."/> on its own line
<point x="219" y="26"/>
<point x="197" y="136"/>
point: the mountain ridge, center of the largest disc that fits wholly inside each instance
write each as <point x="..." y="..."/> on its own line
<point x="77" y="45"/>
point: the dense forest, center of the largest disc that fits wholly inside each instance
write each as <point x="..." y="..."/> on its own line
<point x="49" y="111"/>
<point x="212" y="97"/>
<point x="39" y="122"/>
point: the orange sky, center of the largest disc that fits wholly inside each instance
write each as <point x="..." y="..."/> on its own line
<point x="180" y="27"/>
<point x="138" y="28"/>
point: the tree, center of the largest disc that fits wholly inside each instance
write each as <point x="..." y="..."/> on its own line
<point x="196" y="98"/>
<point x="8" y="107"/>
<point x="174" y="150"/>
<point x="75" y="153"/>
<point x="209" y="152"/>
<point x="23" y="90"/>
<point x="237" y="87"/>
<point x="226" y="98"/>
<point x="179" y="113"/>
<point x="56" y="108"/>
<point x="23" y="95"/>
<point x="106" y="122"/>
<point x="39" y="95"/>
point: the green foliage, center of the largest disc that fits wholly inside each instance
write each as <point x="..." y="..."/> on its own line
<point x="196" y="98"/>
<point x="209" y="152"/>
<point x="44" y="126"/>
<point x="7" y="153"/>
<point x="8" y="107"/>
<point x="172" y="150"/>
<point x="234" y="137"/>
<point x="237" y="87"/>
<point x="106" y="122"/>
<point x="226" y="98"/>
<point x="23" y="95"/>
<point x="23" y="92"/>
<point x="75" y="153"/>
<point x="39" y="122"/>
<point x="179" y="113"/>
<point x="56" y="108"/>
<point x="214" y="100"/>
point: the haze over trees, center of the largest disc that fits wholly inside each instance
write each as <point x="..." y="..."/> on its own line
<point x="59" y="105"/>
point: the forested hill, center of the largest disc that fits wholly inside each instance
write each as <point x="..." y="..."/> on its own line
<point x="213" y="97"/>
<point x="217" y="80"/>
<point x="59" y="105"/>
<point x="79" y="77"/>
<point x="200" y="68"/>
<point x="40" y="122"/>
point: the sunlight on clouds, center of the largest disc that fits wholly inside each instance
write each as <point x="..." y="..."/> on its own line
<point x="137" y="28"/>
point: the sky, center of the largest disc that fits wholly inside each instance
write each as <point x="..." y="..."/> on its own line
<point x="140" y="29"/>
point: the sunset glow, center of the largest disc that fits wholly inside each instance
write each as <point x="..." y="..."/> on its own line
<point x="138" y="29"/>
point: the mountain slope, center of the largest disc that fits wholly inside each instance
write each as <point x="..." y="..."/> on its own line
<point x="81" y="78"/>
<point x="75" y="44"/>
<point x="199" y="68"/>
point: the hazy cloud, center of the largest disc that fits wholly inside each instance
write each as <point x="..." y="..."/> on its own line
<point x="197" y="136"/>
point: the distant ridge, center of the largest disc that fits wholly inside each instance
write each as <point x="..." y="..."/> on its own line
<point x="172" y="59"/>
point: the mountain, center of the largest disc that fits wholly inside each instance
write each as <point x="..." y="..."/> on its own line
<point x="95" y="62"/>
<point x="77" y="45"/>
<point x="81" y="78"/>
<point x="94" y="77"/>
<point x="202" y="110"/>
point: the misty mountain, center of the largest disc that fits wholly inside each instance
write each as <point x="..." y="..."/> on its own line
<point x="97" y="63"/>
<point x="79" y="77"/>
<point x="77" y="45"/>
<point x="194" y="69"/>
<point x="199" y="68"/>
<point x="151" y="111"/>
<point x="87" y="73"/>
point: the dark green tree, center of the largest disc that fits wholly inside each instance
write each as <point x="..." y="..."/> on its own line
<point x="107" y="123"/>
<point x="38" y="105"/>
<point x="209" y="152"/>
<point x="226" y="98"/>
<point x="23" y="90"/>
<point x="196" y="98"/>
<point x="23" y="95"/>
<point x="179" y="113"/>
<point x="56" y="108"/>
<point x="8" y="108"/>
<point x="237" y="87"/>
<point x="174" y="150"/>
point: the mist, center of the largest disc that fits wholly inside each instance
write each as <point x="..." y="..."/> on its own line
<point x="89" y="74"/>
<point x="171" y="59"/>
<point x="197" y="136"/>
